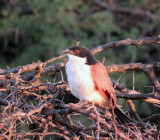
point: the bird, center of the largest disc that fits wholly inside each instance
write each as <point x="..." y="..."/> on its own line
<point x="89" y="81"/>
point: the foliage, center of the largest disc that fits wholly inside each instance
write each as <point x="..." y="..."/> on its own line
<point x="42" y="29"/>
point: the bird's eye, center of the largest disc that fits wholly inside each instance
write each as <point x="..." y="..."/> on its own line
<point x="76" y="52"/>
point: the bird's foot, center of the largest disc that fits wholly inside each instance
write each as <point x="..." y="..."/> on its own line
<point x="82" y="103"/>
<point x="90" y="107"/>
<point x="108" y="115"/>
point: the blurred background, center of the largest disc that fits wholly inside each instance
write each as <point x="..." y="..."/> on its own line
<point x="32" y="30"/>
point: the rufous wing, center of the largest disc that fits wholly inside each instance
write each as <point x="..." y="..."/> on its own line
<point x="102" y="82"/>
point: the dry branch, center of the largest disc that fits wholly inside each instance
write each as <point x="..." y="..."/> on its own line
<point x="27" y="101"/>
<point x="126" y="42"/>
<point x="137" y="67"/>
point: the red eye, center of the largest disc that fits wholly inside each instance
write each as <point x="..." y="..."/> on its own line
<point x="76" y="52"/>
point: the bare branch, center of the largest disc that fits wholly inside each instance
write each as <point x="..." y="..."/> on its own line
<point x="126" y="42"/>
<point x="51" y="113"/>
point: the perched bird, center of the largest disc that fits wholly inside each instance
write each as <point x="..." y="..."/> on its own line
<point x="89" y="80"/>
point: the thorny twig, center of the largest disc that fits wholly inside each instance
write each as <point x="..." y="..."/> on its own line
<point x="45" y="104"/>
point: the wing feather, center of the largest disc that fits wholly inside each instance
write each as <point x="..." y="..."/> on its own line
<point x="102" y="82"/>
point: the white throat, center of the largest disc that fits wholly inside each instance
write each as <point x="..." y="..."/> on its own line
<point x="76" y="59"/>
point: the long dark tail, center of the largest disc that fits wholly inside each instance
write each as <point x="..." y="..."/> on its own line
<point x="121" y="117"/>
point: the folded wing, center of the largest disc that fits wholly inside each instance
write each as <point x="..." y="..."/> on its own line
<point x="102" y="82"/>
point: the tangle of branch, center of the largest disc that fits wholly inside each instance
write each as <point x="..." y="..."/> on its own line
<point x="51" y="109"/>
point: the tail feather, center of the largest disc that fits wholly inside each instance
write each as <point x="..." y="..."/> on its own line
<point x="122" y="118"/>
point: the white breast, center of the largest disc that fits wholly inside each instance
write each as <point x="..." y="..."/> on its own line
<point x="80" y="81"/>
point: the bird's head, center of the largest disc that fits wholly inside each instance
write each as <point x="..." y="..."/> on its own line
<point x="81" y="52"/>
